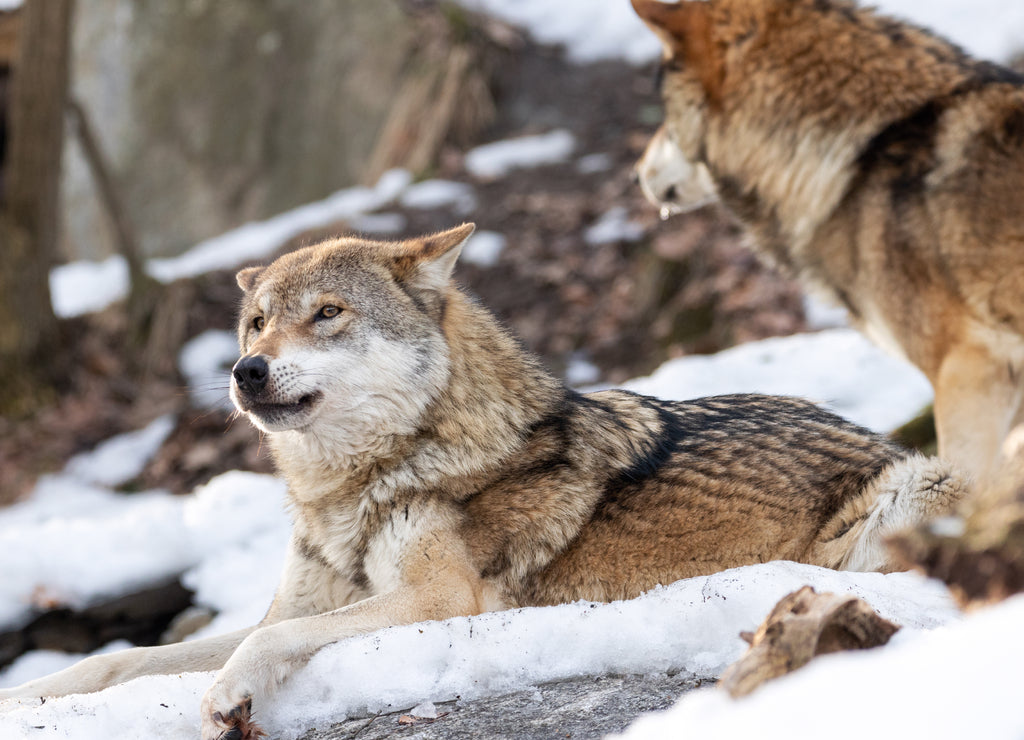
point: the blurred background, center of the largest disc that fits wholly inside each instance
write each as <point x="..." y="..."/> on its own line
<point x="144" y="129"/>
<point x="151" y="148"/>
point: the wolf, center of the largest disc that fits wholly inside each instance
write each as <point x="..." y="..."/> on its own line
<point x="436" y="469"/>
<point x="874" y="161"/>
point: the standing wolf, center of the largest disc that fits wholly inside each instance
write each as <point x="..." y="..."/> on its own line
<point x="873" y="160"/>
<point x="435" y="469"/>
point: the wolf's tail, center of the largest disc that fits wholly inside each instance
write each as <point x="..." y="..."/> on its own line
<point x="908" y="492"/>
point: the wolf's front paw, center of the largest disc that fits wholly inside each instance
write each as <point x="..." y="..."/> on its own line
<point x="228" y="719"/>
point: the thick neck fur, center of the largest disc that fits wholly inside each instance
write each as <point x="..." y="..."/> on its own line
<point x="803" y="110"/>
<point x="478" y="419"/>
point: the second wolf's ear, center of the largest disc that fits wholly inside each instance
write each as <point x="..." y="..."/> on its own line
<point x="247" y="278"/>
<point x="430" y="260"/>
<point x="685" y="30"/>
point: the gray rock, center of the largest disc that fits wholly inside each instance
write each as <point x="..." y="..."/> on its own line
<point x="585" y="707"/>
<point x="216" y="112"/>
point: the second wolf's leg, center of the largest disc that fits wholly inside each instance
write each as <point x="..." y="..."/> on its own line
<point x="101" y="671"/>
<point x="979" y="398"/>
<point x="908" y="492"/>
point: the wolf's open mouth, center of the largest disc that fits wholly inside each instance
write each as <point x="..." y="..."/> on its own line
<point x="279" y="410"/>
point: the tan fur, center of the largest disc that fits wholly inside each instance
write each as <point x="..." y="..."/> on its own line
<point x="874" y="161"/>
<point x="435" y="469"/>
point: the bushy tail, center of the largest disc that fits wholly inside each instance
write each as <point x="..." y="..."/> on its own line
<point x="906" y="493"/>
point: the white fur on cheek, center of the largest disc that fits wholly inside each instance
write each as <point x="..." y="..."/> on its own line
<point x="371" y="390"/>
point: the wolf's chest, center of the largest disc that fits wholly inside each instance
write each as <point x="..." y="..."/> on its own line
<point x="368" y="544"/>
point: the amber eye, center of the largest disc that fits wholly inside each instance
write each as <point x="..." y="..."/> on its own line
<point x="258" y="323"/>
<point x="328" y="312"/>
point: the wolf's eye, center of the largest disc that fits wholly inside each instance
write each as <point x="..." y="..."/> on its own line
<point x="327" y="312"/>
<point x="258" y="323"/>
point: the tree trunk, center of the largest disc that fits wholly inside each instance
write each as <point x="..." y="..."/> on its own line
<point x="29" y="361"/>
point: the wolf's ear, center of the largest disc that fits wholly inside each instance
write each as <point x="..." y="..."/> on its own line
<point x="430" y="260"/>
<point x="685" y="30"/>
<point x="668" y="20"/>
<point x="247" y="278"/>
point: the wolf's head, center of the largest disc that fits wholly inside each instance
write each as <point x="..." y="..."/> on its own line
<point x="671" y="171"/>
<point x="343" y="340"/>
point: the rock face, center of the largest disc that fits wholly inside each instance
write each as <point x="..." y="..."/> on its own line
<point x="585" y="707"/>
<point x="226" y="110"/>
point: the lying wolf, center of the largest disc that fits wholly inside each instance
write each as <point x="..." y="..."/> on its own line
<point x="876" y="162"/>
<point x="435" y="469"/>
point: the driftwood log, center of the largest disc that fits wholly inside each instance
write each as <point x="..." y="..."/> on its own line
<point x="802" y="625"/>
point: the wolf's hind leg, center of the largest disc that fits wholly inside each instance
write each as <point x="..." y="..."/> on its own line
<point x="908" y="492"/>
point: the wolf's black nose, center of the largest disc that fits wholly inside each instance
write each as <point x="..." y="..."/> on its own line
<point x="251" y="373"/>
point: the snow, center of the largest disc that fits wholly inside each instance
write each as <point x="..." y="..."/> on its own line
<point x="590" y="164"/>
<point x="988" y="29"/>
<point x="84" y="286"/>
<point x="74" y="543"/>
<point x="690" y="626"/>
<point x="490" y="161"/>
<point x="483" y="248"/>
<point x="378" y="223"/>
<point x="431" y="194"/>
<point x="820" y="314"/>
<point x="205" y="362"/>
<point x="258" y="240"/>
<point x="121" y="458"/>
<point x="838" y="368"/>
<point x="77" y="541"/>
<point x="613" y="226"/>
<point x="957" y="682"/>
<point x="581" y="371"/>
<point x="592" y="30"/>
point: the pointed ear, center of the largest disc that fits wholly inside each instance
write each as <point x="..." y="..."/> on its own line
<point x="429" y="261"/>
<point x="665" y="19"/>
<point x="247" y="278"/>
<point x="686" y="31"/>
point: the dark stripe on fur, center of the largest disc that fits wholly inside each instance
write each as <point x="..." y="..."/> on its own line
<point x="311" y="552"/>
<point x="703" y="438"/>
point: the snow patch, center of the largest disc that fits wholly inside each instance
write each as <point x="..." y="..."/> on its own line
<point x="431" y="194"/>
<point x="956" y="682"/>
<point x="73" y="545"/>
<point x="592" y="30"/>
<point x="691" y="626"/>
<point x="84" y="286"/>
<point x="206" y="361"/>
<point x="119" y="459"/>
<point x="498" y="158"/>
<point x="838" y="368"/>
<point x="483" y="248"/>
<point x="613" y="226"/>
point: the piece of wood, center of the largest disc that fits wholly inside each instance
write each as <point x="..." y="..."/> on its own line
<point x="802" y="625"/>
